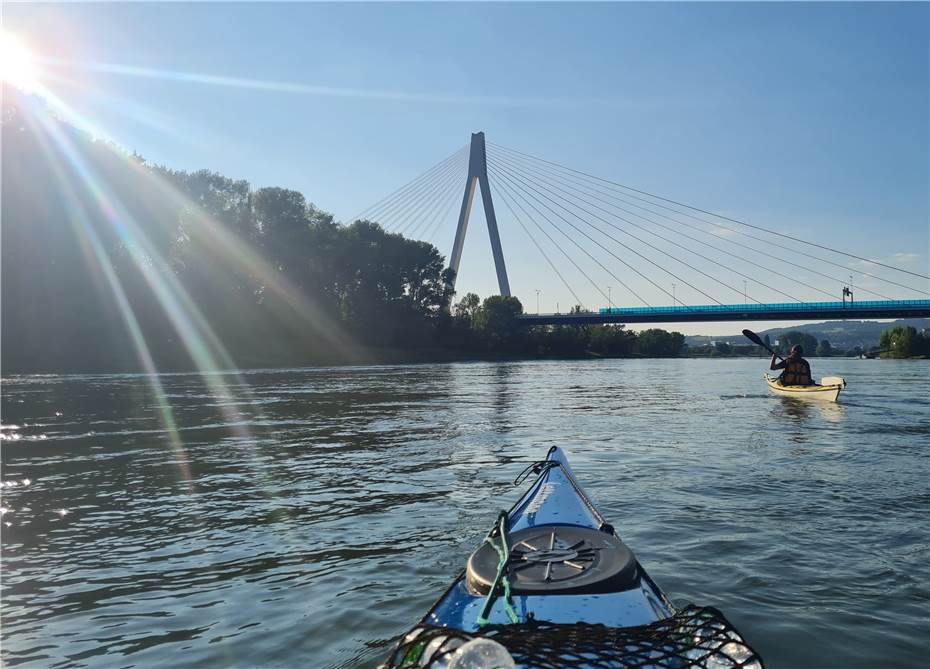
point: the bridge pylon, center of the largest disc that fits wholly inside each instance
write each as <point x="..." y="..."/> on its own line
<point x="478" y="174"/>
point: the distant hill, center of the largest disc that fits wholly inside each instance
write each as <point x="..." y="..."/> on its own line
<point x="841" y="334"/>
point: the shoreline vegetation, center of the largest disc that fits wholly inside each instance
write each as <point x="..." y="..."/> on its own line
<point x="111" y="264"/>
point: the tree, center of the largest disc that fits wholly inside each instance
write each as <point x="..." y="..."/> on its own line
<point x="824" y="350"/>
<point x="497" y="321"/>
<point x="467" y="307"/>
<point x="658" y="342"/>
<point x="611" y="340"/>
<point x="904" y="342"/>
<point x="789" y="339"/>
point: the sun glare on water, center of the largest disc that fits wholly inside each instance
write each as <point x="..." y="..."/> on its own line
<point x="17" y="64"/>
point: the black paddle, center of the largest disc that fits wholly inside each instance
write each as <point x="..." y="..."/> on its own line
<point x="755" y="339"/>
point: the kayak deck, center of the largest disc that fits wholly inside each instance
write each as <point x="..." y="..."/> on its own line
<point x="600" y="608"/>
<point x="556" y="499"/>
<point x="828" y="393"/>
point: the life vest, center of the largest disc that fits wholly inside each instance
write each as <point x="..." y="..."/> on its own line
<point x="797" y="373"/>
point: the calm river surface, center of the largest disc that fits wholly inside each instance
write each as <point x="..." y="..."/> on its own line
<point x="311" y="515"/>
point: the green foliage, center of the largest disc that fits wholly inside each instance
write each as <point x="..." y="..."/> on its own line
<point x="611" y="340"/>
<point x="904" y="342"/>
<point x="657" y="342"/>
<point x="808" y="342"/>
<point x="467" y="307"/>
<point x="496" y="322"/>
<point x="275" y="278"/>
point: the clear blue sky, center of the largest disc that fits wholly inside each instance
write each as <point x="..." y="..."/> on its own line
<point x="808" y="118"/>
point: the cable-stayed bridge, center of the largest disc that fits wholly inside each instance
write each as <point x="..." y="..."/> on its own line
<point x="671" y="261"/>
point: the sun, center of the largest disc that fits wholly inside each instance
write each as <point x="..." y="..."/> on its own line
<point x="17" y="64"/>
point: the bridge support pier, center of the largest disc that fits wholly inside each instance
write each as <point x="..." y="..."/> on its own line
<point x="478" y="175"/>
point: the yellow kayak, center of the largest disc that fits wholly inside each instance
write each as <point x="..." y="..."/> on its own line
<point x="829" y="391"/>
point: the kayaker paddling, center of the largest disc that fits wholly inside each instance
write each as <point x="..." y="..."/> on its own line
<point x="796" y="381"/>
<point x="797" y="370"/>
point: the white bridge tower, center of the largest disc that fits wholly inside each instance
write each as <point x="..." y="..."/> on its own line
<point x="478" y="174"/>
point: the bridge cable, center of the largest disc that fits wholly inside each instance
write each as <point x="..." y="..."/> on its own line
<point x="523" y="197"/>
<point x="641" y="241"/>
<point x="404" y="190"/>
<point x="733" y="220"/>
<point x="732" y="241"/>
<point x="414" y="194"/>
<point x="570" y="183"/>
<point x="540" y="248"/>
<point x="425" y="221"/>
<point x="427" y="198"/>
<point x="570" y="191"/>
<point x="628" y="248"/>
<point x="408" y="185"/>
<point x="405" y="224"/>
<point x="503" y="183"/>
<point x="437" y="223"/>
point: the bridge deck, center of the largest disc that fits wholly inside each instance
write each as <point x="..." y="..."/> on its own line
<point x="740" y="312"/>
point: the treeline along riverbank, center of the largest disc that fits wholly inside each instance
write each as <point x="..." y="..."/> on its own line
<point x="113" y="264"/>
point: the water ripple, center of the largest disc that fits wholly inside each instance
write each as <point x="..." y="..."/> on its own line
<point x="325" y="522"/>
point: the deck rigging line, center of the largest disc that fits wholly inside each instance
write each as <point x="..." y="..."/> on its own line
<point x="733" y="220"/>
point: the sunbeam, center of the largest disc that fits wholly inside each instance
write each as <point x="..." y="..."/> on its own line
<point x="100" y="264"/>
<point x="201" y="343"/>
<point x="313" y="89"/>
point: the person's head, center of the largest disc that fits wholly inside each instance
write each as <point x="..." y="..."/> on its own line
<point x="797" y="351"/>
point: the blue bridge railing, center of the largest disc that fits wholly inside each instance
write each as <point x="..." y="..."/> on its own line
<point x="799" y="307"/>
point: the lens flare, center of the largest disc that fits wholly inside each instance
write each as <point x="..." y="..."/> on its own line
<point x="17" y="64"/>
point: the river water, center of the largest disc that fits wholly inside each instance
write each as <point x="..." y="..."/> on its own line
<point x="304" y="518"/>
